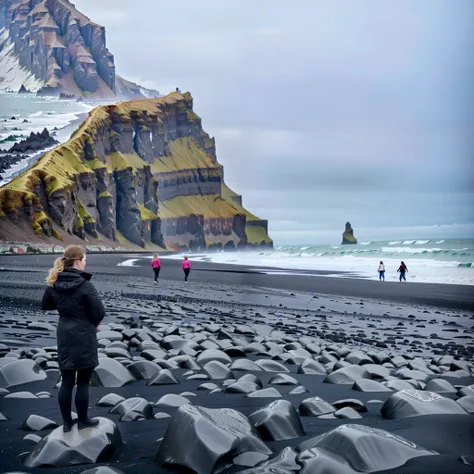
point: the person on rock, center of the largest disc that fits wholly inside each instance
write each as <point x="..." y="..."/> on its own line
<point x="381" y="271"/>
<point x="186" y="266"/>
<point x="156" y="265"/>
<point x="403" y="270"/>
<point x="80" y="312"/>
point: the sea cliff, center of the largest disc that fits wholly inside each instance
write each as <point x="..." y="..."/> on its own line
<point x="142" y="171"/>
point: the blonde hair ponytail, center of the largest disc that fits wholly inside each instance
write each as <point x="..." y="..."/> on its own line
<point x="58" y="267"/>
<point x="71" y="254"/>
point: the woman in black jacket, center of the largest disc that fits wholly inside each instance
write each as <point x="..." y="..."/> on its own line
<point x="80" y="312"/>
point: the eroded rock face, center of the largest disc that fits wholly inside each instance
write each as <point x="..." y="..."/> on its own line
<point x="90" y="445"/>
<point x="408" y="403"/>
<point x="365" y="449"/>
<point x="205" y="440"/>
<point x="348" y="235"/>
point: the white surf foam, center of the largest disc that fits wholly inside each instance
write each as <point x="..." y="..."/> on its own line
<point x="128" y="263"/>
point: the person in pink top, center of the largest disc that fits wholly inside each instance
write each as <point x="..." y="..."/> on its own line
<point x="186" y="266"/>
<point x="156" y="265"/>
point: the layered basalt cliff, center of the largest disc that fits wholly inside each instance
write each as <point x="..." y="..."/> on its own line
<point x="144" y="170"/>
<point x="64" y="49"/>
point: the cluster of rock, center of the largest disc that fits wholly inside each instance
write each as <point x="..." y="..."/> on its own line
<point x="144" y="169"/>
<point x="35" y="142"/>
<point x="243" y="361"/>
<point x="63" y="48"/>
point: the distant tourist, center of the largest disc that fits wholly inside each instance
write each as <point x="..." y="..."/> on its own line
<point x="381" y="271"/>
<point x="156" y="265"/>
<point x="403" y="270"/>
<point x="178" y="90"/>
<point x="186" y="266"/>
<point x="80" y="312"/>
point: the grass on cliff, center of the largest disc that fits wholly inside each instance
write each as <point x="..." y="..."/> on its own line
<point x="146" y="214"/>
<point x="184" y="154"/>
<point x="256" y="235"/>
<point x="228" y="194"/>
<point x="210" y="206"/>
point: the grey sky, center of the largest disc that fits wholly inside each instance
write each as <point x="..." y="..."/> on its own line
<point x="323" y="111"/>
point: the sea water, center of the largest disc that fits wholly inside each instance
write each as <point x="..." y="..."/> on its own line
<point x="428" y="260"/>
<point x="60" y="117"/>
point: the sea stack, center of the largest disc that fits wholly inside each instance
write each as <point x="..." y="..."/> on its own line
<point x="348" y="235"/>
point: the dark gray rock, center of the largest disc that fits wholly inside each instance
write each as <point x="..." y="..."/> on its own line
<point x="277" y="421"/>
<point x="396" y="385"/>
<point x="38" y="423"/>
<point x="466" y="391"/>
<point x="467" y="403"/>
<point x="315" y="460"/>
<point x="213" y="354"/>
<point x="283" y="379"/>
<point x="357" y="445"/>
<point x="441" y="386"/>
<point x="365" y="385"/>
<point x="34" y="438"/>
<point x="315" y="406"/>
<point x="20" y="395"/>
<point x="133" y="409"/>
<point x="347" y="413"/>
<point x="311" y="366"/>
<point x="110" y="335"/>
<point x="353" y="403"/>
<point x="271" y="366"/>
<point x="90" y="445"/>
<point x="110" y="373"/>
<point x="171" y="400"/>
<point x="164" y="377"/>
<point x="246" y="365"/>
<point x="242" y="386"/>
<point x="347" y="375"/>
<point x="144" y="369"/>
<point x="409" y="403"/>
<point x="216" y="370"/>
<point x="265" y="393"/>
<point x="110" y="400"/>
<point x="298" y="390"/>
<point x="207" y="440"/>
<point x="20" y="371"/>
<point x="358" y="358"/>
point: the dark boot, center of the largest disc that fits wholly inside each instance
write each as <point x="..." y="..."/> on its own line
<point x="87" y="423"/>
<point x="67" y="426"/>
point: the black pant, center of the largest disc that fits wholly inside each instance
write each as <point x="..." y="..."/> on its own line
<point x="187" y="271"/>
<point x="68" y="379"/>
<point x="157" y="273"/>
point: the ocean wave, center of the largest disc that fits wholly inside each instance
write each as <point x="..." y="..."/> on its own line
<point x="36" y="114"/>
<point x="440" y="241"/>
<point x="395" y="242"/>
<point x="365" y="243"/>
<point x="408" y="242"/>
<point x="422" y="242"/>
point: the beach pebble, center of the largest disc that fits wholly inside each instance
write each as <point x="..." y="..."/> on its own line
<point x="110" y="373"/>
<point x="110" y="400"/>
<point x="38" y="423"/>
<point x="265" y="393"/>
<point x="283" y="379"/>
<point x="356" y="445"/>
<point x="171" y="400"/>
<point x="133" y="409"/>
<point x="277" y="421"/>
<point x="200" y="439"/>
<point x="353" y="403"/>
<point x="409" y="403"/>
<point x="216" y="370"/>
<point x="347" y="375"/>
<point x="20" y="371"/>
<point x="164" y="377"/>
<point x="347" y="413"/>
<point x="315" y="406"/>
<point x="441" y="386"/>
<point x="467" y="403"/>
<point x="59" y="449"/>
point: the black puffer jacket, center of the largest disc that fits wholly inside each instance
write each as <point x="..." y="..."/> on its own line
<point x="80" y="311"/>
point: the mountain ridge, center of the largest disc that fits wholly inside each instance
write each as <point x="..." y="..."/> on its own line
<point x="58" y="50"/>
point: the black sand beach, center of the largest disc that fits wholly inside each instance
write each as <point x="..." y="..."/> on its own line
<point x="306" y="327"/>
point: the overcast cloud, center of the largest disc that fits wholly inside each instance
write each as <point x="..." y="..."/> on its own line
<point x="323" y="111"/>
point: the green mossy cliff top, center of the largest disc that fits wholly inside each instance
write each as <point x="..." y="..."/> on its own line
<point x="58" y="168"/>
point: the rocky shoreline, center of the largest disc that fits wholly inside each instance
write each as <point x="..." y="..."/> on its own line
<point x="212" y="377"/>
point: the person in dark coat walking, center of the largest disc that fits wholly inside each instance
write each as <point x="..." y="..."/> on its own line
<point x="80" y="312"/>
